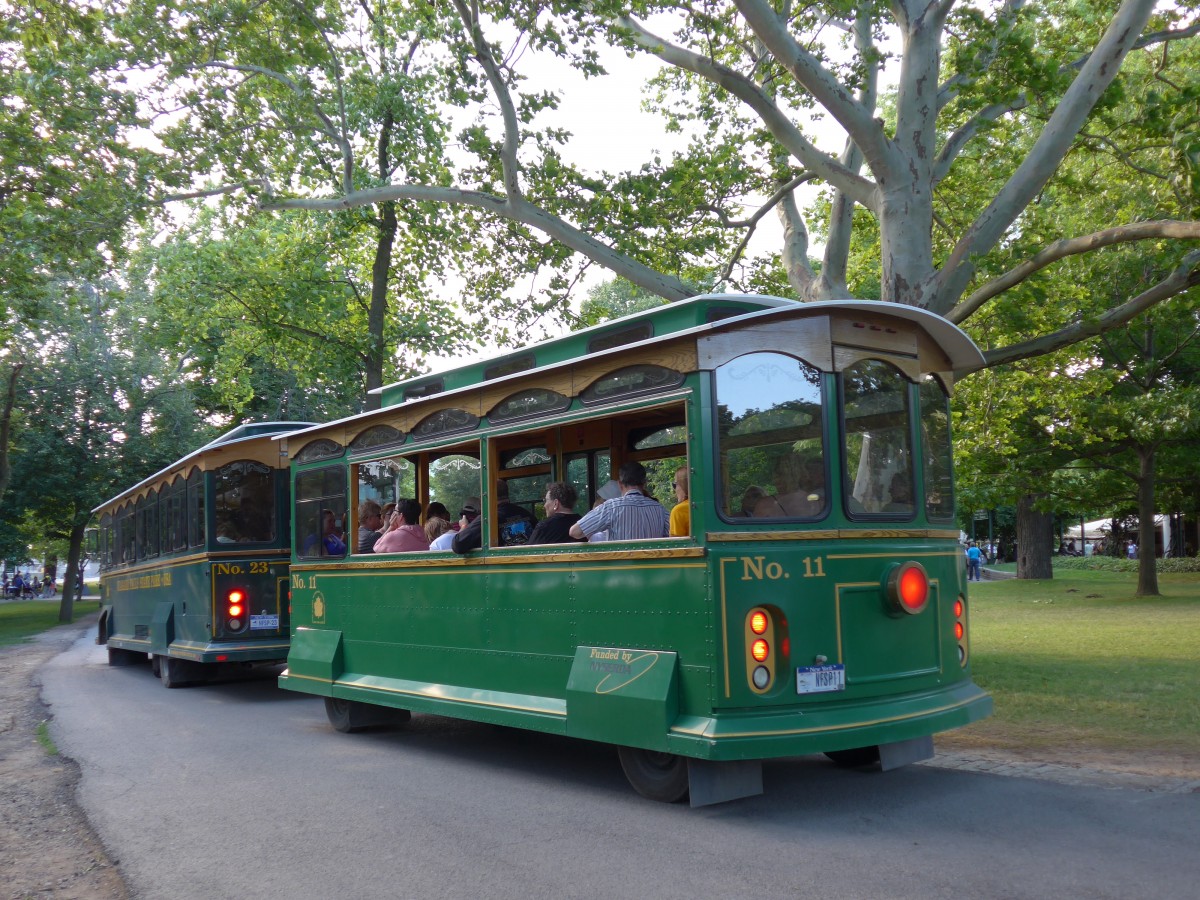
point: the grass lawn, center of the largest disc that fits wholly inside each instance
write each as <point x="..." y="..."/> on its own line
<point x="1078" y="660"/>
<point x="21" y="619"/>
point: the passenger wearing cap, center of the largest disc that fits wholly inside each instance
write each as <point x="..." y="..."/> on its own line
<point x="468" y="514"/>
<point x="630" y="517"/>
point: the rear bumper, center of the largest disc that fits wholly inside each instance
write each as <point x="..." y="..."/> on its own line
<point x="210" y="651"/>
<point x="763" y="735"/>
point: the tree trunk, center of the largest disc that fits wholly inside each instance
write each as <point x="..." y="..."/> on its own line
<point x="1147" y="585"/>
<point x="1035" y="539"/>
<point x="71" y="589"/>
<point x="381" y="271"/>
<point x="10" y="402"/>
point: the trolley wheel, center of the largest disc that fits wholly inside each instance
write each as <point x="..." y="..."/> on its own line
<point x="857" y="758"/>
<point x="155" y="668"/>
<point x="119" y="657"/>
<point x="350" y="716"/>
<point x="654" y="775"/>
<point x="173" y="672"/>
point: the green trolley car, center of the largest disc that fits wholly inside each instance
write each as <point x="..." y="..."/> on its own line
<point x="816" y="602"/>
<point x="194" y="561"/>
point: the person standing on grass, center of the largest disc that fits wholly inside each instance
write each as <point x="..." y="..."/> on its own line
<point x="974" y="558"/>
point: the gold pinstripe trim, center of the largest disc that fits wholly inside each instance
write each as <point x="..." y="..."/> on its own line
<point x="432" y="694"/>
<point x="821" y="728"/>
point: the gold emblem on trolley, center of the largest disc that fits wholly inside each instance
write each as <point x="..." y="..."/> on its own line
<point x="318" y="609"/>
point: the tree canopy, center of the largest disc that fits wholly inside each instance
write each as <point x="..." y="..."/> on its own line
<point x="272" y="99"/>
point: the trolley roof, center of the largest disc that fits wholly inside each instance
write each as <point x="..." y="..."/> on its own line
<point x="691" y="317"/>
<point x="240" y="435"/>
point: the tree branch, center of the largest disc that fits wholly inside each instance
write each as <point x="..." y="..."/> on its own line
<point x="515" y="208"/>
<point x="1048" y="151"/>
<point x="825" y="88"/>
<point x="860" y="189"/>
<point x="751" y="224"/>
<point x="483" y="55"/>
<point x="1184" y="276"/>
<point x="1122" y="234"/>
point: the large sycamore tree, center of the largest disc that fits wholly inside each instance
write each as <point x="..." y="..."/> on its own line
<point x="917" y="89"/>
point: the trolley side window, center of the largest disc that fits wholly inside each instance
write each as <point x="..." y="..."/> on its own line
<point x="878" y="441"/>
<point x="321" y="512"/>
<point x="937" y="453"/>
<point x="770" y="423"/>
<point x="454" y="480"/>
<point x="244" y="503"/>
<point x="195" y="508"/>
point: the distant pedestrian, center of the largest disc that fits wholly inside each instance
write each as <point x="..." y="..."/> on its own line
<point x="974" y="559"/>
<point x="1131" y="550"/>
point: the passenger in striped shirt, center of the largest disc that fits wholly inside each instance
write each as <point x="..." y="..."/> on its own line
<point x="630" y="517"/>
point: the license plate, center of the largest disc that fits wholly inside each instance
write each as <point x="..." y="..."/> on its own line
<point x="819" y="679"/>
<point x="260" y="622"/>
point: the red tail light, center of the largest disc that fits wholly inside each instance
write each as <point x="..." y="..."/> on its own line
<point x="235" y="610"/>
<point x="908" y="588"/>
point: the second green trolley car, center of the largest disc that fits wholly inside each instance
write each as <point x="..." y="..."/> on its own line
<point x="817" y="604"/>
<point x="194" y="561"/>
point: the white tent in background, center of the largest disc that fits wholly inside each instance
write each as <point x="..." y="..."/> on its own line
<point x="1092" y="531"/>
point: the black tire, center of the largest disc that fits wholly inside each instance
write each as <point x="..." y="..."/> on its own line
<point x="350" y="716"/>
<point x="155" y="666"/>
<point x="656" y="776"/>
<point x="119" y="657"/>
<point x="174" y="672"/>
<point x="857" y="758"/>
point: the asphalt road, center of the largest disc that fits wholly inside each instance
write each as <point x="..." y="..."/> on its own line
<point x="242" y="790"/>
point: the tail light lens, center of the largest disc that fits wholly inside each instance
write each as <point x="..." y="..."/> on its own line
<point x="907" y="588"/>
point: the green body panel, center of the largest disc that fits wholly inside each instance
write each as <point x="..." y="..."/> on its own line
<point x="172" y="608"/>
<point x="622" y="696"/>
<point x="512" y="643"/>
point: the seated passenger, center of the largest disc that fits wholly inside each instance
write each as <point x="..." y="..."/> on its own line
<point x="469" y="525"/>
<point x="435" y="527"/>
<point x="800" y="490"/>
<point x="750" y="499"/>
<point x="560" y="515"/>
<point x="227" y="533"/>
<point x="681" y="512"/>
<point x="404" y="534"/>
<point x="437" y="510"/>
<point x="329" y="542"/>
<point x="514" y="523"/>
<point x="370" y="526"/>
<point x="632" y="516"/>
<point x="901" y="495"/>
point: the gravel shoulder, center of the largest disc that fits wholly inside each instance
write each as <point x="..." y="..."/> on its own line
<point x="51" y="851"/>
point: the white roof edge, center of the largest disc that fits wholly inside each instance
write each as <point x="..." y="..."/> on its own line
<point x="765" y="299"/>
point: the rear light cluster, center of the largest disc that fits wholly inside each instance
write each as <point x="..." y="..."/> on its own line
<point x="960" y="629"/>
<point x="235" y="610"/>
<point x="760" y="650"/>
